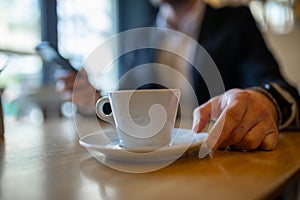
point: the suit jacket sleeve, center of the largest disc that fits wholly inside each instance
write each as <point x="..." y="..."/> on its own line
<point x="238" y="48"/>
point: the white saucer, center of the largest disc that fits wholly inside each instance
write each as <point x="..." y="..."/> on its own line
<point x="106" y="146"/>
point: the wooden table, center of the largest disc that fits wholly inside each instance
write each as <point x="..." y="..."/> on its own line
<point x="46" y="162"/>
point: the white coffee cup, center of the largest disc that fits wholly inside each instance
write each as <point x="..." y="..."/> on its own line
<point x="144" y="119"/>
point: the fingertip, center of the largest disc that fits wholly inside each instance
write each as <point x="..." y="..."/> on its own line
<point x="195" y="124"/>
<point x="200" y="125"/>
<point x="212" y="144"/>
<point x="60" y="85"/>
<point x="196" y="113"/>
<point x="201" y="118"/>
<point x="270" y="142"/>
<point x="215" y="137"/>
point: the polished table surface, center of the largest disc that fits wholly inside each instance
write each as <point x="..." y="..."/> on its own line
<point x="46" y="162"/>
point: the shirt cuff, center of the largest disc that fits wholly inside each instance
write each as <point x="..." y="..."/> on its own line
<point x="284" y="102"/>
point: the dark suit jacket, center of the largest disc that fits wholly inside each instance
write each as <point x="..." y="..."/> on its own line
<point x="235" y="44"/>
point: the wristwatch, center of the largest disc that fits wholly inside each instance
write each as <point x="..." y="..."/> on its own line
<point x="283" y="101"/>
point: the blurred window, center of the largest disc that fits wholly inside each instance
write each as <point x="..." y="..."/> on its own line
<point x="82" y="27"/>
<point x="274" y="15"/>
<point x="20" y="31"/>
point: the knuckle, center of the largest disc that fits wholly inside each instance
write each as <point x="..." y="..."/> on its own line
<point x="234" y="115"/>
<point x="271" y="141"/>
<point x="235" y="139"/>
<point x="248" y="142"/>
<point x="202" y="111"/>
<point x="245" y="94"/>
<point x="242" y="94"/>
<point x="251" y="142"/>
<point x="241" y="128"/>
<point x="269" y="124"/>
<point x="261" y="110"/>
<point x="236" y="136"/>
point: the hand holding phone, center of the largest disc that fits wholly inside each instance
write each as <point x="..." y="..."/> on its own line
<point x="50" y="55"/>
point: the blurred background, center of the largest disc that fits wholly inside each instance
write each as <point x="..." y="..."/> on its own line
<point x="77" y="27"/>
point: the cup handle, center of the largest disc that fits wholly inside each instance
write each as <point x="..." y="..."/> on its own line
<point x="99" y="110"/>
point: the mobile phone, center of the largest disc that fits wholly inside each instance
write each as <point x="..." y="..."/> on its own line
<point x="50" y="55"/>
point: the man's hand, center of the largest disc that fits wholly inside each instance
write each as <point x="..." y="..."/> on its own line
<point x="245" y="119"/>
<point x="76" y="87"/>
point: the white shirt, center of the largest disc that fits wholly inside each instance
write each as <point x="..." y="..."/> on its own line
<point x="190" y="26"/>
